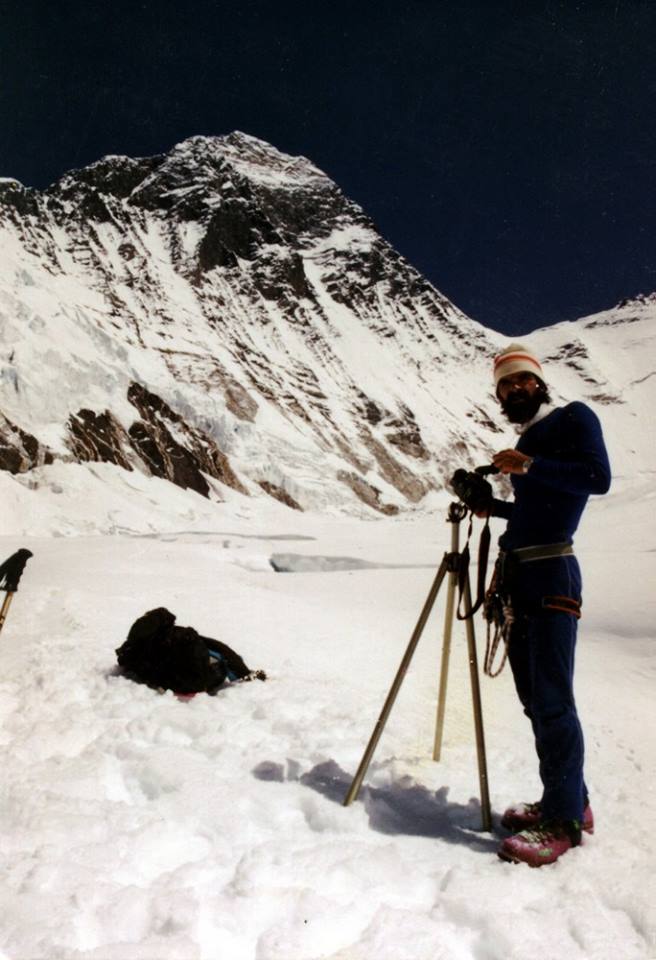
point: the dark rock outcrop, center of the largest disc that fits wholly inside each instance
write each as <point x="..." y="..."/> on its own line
<point x="393" y="471"/>
<point x="279" y="494"/>
<point x="98" y="437"/>
<point x="19" y="450"/>
<point x="166" y="445"/>
<point x="182" y="458"/>
<point x="367" y="493"/>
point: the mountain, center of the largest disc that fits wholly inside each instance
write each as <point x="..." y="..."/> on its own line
<point x="221" y="316"/>
<point x="608" y="360"/>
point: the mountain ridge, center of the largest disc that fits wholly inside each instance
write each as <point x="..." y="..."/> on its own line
<point x="285" y="348"/>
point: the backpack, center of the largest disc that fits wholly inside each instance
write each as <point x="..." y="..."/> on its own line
<point x="167" y="657"/>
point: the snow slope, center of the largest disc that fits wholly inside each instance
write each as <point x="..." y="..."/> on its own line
<point x="139" y="827"/>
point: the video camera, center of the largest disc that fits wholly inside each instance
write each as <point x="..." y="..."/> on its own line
<point x="473" y="489"/>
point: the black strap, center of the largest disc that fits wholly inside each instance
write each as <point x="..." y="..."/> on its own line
<point x="483" y="554"/>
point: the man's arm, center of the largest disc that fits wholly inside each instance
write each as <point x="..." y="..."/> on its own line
<point x="587" y="473"/>
<point x="497" y="508"/>
<point x="502" y="508"/>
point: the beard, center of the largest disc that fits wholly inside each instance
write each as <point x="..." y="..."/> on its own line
<point x="520" y="406"/>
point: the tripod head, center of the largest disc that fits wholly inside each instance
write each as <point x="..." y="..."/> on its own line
<point x="457" y="511"/>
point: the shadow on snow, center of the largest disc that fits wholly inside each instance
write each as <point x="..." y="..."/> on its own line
<point x="404" y="807"/>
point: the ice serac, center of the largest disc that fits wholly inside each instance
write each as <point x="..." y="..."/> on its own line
<point x="223" y="316"/>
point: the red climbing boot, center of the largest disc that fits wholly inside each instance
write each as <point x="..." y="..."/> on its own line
<point x="542" y="844"/>
<point x="523" y="816"/>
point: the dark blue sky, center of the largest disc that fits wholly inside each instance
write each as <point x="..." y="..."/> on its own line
<point x="507" y="149"/>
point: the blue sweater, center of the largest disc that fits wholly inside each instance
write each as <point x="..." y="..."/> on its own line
<point x="569" y="463"/>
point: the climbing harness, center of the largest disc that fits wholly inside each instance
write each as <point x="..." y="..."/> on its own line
<point x="497" y="608"/>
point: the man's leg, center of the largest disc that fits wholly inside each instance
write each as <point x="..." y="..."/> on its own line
<point x="521" y="656"/>
<point x="541" y="655"/>
<point x="559" y="738"/>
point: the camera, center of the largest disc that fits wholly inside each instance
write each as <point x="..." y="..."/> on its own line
<point x="473" y="489"/>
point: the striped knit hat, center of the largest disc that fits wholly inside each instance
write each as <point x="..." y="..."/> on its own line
<point x="516" y="358"/>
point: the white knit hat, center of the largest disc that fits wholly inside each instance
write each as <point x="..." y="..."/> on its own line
<point x="516" y="358"/>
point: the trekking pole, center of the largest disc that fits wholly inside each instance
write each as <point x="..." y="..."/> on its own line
<point x="10" y="573"/>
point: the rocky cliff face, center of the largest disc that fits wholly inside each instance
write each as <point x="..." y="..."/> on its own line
<point x="222" y="315"/>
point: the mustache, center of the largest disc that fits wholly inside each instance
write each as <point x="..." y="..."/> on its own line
<point x="520" y="406"/>
<point x="518" y="396"/>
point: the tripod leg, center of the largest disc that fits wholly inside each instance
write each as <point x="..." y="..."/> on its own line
<point x="478" y="712"/>
<point x="446" y="644"/>
<point x="444" y="665"/>
<point x="396" y="685"/>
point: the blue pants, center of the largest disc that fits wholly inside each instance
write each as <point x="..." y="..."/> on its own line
<point x="541" y="653"/>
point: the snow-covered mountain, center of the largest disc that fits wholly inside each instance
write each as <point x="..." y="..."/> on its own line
<point x="223" y="317"/>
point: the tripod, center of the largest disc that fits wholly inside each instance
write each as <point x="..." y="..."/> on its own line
<point x="451" y="565"/>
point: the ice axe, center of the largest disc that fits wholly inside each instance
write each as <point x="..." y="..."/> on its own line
<point x="10" y="573"/>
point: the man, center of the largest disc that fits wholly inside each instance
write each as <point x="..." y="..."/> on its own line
<point x="559" y="460"/>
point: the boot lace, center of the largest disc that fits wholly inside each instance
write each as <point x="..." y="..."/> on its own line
<point x="552" y="830"/>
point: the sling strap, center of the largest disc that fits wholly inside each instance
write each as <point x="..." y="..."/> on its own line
<point x="463" y="568"/>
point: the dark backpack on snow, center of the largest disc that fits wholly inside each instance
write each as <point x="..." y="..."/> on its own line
<point x="162" y="655"/>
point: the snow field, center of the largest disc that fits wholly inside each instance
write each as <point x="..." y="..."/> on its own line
<point x="140" y="827"/>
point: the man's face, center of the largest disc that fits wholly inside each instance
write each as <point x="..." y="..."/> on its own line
<point x="520" y="396"/>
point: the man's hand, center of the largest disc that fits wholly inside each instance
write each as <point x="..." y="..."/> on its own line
<point x="511" y="461"/>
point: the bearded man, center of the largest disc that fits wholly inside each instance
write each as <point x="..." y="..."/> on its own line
<point x="559" y="460"/>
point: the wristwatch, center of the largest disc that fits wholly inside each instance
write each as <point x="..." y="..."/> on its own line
<point x="527" y="464"/>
